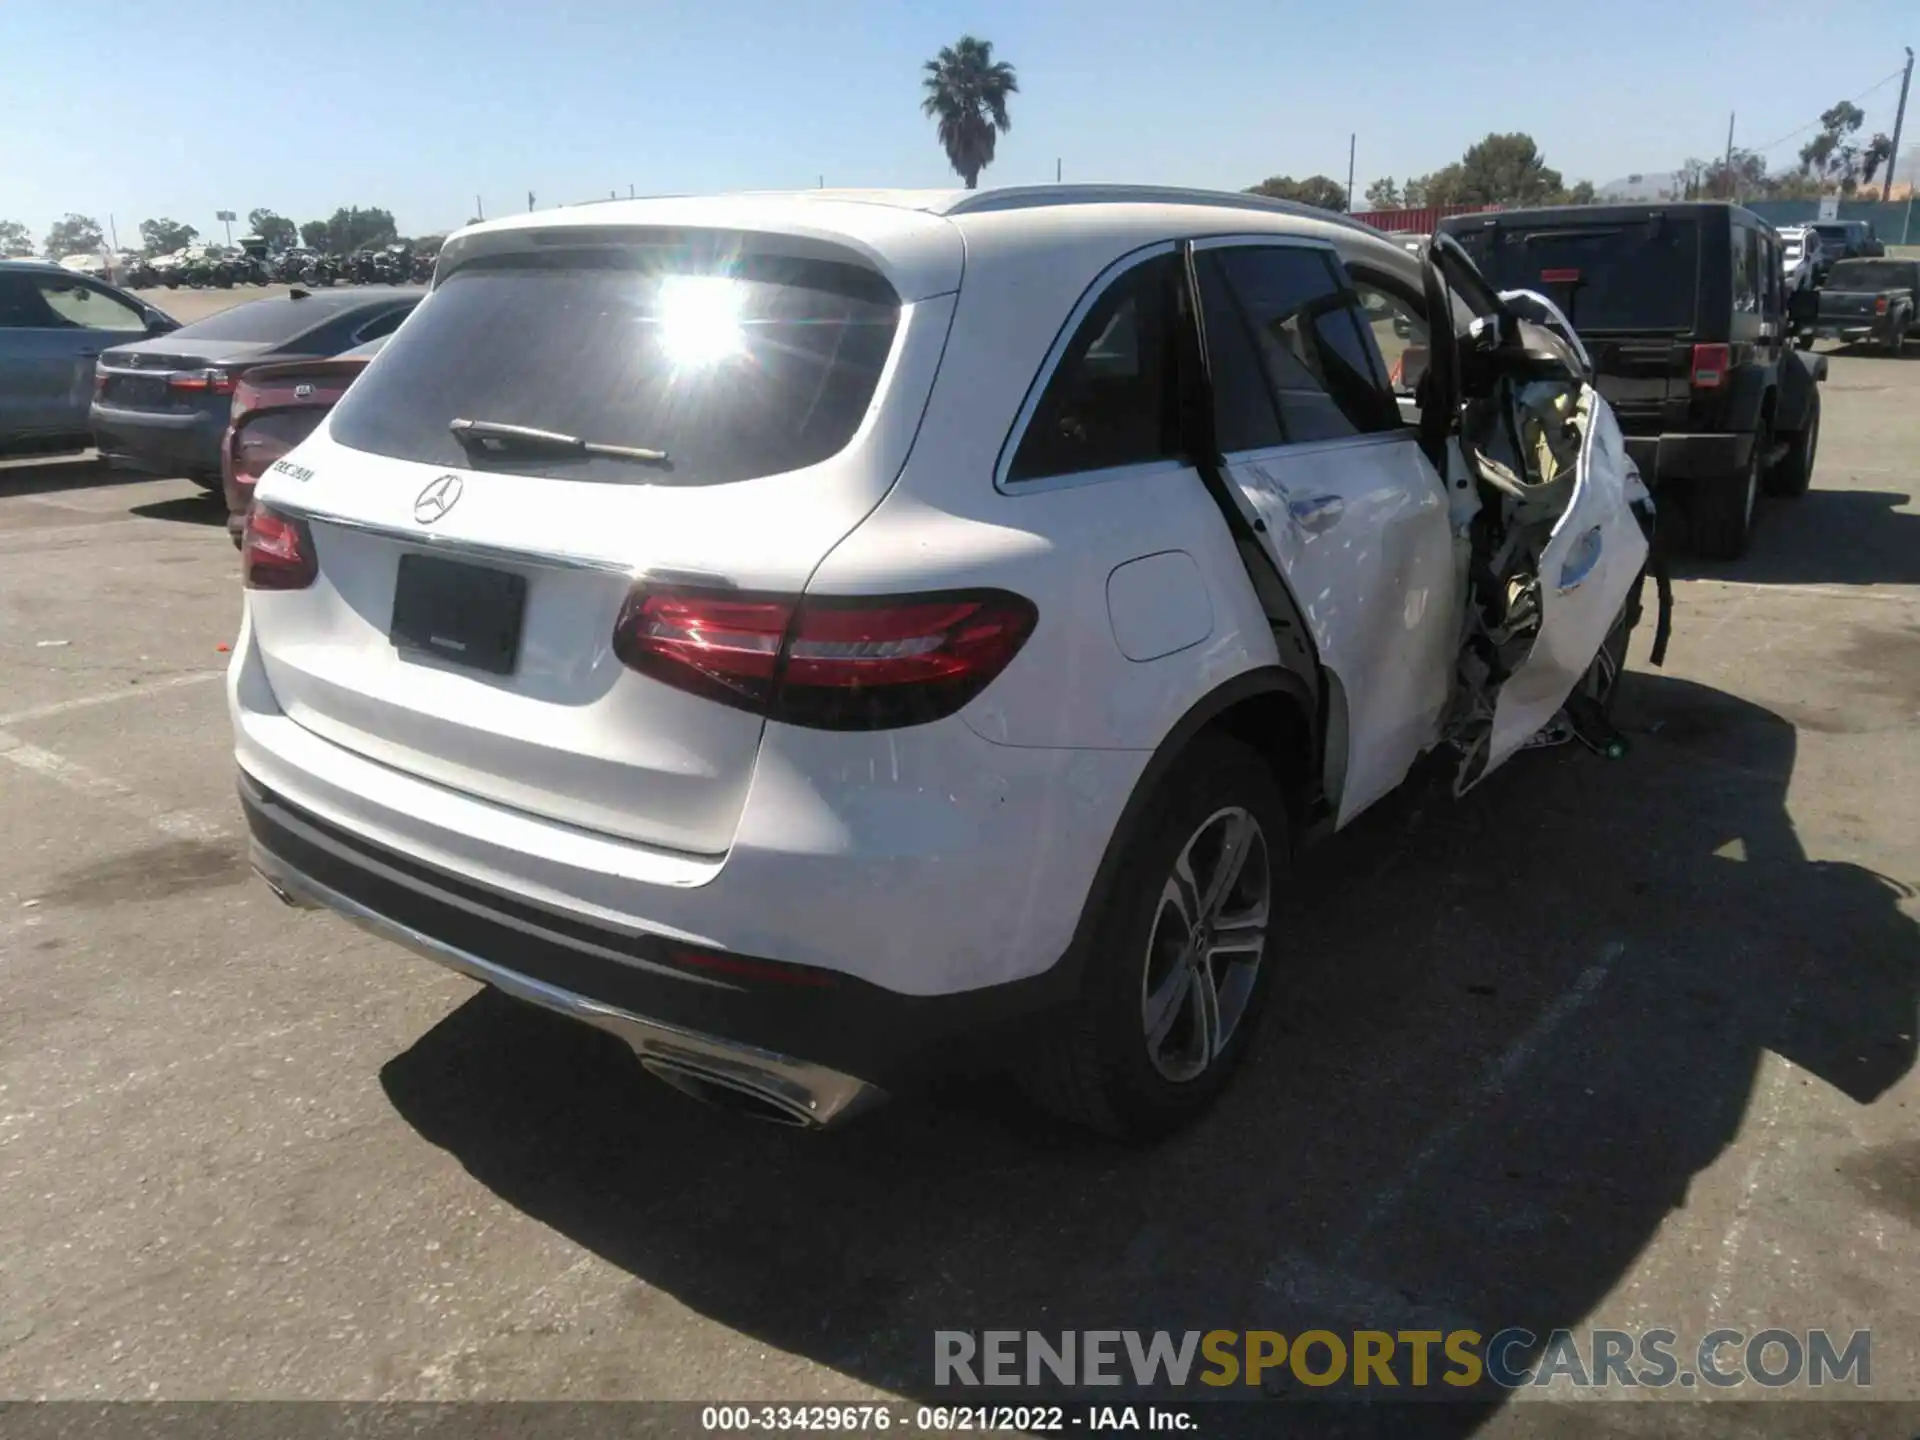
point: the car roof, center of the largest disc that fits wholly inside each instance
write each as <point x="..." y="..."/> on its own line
<point x="921" y="240"/>
<point x="37" y="266"/>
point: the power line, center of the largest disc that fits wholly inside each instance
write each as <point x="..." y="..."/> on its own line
<point x="1815" y="123"/>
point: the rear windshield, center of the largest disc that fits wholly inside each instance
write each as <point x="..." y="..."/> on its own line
<point x="1833" y="232"/>
<point x="1605" y="277"/>
<point x="1871" y="275"/>
<point x="268" y="320"/>
<point x="736" y="366"/>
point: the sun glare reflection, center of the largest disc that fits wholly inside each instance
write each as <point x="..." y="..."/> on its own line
<point x="700" y="319"/>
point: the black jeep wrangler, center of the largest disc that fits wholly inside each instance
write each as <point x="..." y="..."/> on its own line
<point x="1684" y="309"/>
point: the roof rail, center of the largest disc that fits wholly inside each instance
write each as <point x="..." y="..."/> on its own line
<point x="1025" y="197"/>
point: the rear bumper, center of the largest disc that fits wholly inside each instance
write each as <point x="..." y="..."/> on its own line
<point x="932" y="879"/>
<point x="1852" y="330"/>
<point x="160" y="443"/>
<point x="815" y="1045"/>
<point x="1662" y="458"/>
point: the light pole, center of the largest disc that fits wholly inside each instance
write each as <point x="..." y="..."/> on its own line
<point x="1899" y="119"/>
<point x="226" y="218"/>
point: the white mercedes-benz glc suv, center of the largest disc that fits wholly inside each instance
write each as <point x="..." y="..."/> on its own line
<point x="823" y="638"/>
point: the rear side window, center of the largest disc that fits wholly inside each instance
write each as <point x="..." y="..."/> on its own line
<point x="1110" y="401"/>
<point x="1873" y="275"/>
<point x="21" y="305"/>
<point x="1641" y="275"/>
<point x="1746" y="271"/>
<point x="738" y="366"/>
<point x="1320" y="369"/>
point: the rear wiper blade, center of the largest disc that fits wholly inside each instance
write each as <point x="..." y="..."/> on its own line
<point x="496" y="437"/>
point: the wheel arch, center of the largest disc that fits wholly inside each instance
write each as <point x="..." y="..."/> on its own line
<point x="1270" y="710"/>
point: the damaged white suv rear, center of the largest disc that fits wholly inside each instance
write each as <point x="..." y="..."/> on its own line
<point x="827" y="638"/>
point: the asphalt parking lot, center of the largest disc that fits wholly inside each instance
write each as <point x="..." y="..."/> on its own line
<point x="1617" y="1043"/>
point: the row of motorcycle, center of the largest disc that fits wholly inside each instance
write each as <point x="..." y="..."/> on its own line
<point x="395" y="265"/>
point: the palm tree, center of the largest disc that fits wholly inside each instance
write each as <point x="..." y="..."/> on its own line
<point x="967" y="93"/>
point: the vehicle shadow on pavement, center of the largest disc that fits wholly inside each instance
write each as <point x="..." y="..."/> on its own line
<point x="36" y="475"/>
<point x="202" y="508"/>
<point x="1508" y="1033"/>
<point x="1826" y="537"/>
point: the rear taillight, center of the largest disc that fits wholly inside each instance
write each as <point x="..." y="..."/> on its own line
<point x="268" y="436"/>
<point x="1710" y="364"/>
<point x="276" y="551"/>
<point x="213" y="382"/>
<point x="827" y="662"/>
<point x="1880" y="305"/>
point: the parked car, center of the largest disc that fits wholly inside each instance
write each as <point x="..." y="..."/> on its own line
<point x="1844" y="240"/>
<point x="1686" y="311"/>
<point x="53" y="325"/>
<point x="163" y="405"/>
<point x="721" y="621"/>
<point x="1871" y="300"/>
<point x="1801" y="255"/>
<point x="275" y="407"/>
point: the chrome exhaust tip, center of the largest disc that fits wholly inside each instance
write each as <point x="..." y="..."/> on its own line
<point x="728" y="1092"/>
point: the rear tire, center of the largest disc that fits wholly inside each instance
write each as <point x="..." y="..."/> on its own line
<point x="1791" y="477"/>
<point x="1723" y="508"/>
<point x="1179" y="968"/>
<point x="212" y="484"/>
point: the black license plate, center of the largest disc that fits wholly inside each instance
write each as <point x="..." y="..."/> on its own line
<point x="465" y="615"/>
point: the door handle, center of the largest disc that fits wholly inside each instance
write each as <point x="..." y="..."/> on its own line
<point x="1321" y="512"/>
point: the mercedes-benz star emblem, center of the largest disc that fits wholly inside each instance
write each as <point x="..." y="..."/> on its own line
<point x="439" y="497"/>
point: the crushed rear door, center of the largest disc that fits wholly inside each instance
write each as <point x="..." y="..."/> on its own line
<point x="1557" y="548"/>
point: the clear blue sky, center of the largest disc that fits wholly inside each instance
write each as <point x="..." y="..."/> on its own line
<point x="179" y="110"/>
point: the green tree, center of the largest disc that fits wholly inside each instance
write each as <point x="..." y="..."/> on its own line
<point x="1832" y="156"/>
<point x="163" y="237"/>
<point x="74" y="235"/>
<point x="966" y="92"/>
<point x="1441" y="187"/>
<point x="1581" y="194"/>
<point x="1506" y="170"/>
<point x="1321" y="191"/>
<point x="1878" y="152"/>
<point x="355" y="229"/>
<point x="313" y="234"/>
<point x="276" y="230"/>
<point x="1383" y="194"/>
<point x="15" y="239"/>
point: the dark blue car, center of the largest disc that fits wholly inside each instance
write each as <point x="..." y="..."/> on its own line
<point x="162" y="405"/>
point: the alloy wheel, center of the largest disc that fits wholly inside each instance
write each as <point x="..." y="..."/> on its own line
<point x="1205" y="948"/>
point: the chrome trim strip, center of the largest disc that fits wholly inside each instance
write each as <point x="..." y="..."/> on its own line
<point x="812" y="1094"/>
<point x="475" y="549"/>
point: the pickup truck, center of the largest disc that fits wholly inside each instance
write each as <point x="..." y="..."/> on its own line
<point x="1872" y="300"/>
<point x="1844" y="240"/>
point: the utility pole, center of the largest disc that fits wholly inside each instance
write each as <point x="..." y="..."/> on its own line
<point x="478" y="213"/>
<point x="1056" y="172"/>
<point x="1352" y="140"/>
<point x="1726" y="170"/>
<point x="1899" y="118"/>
